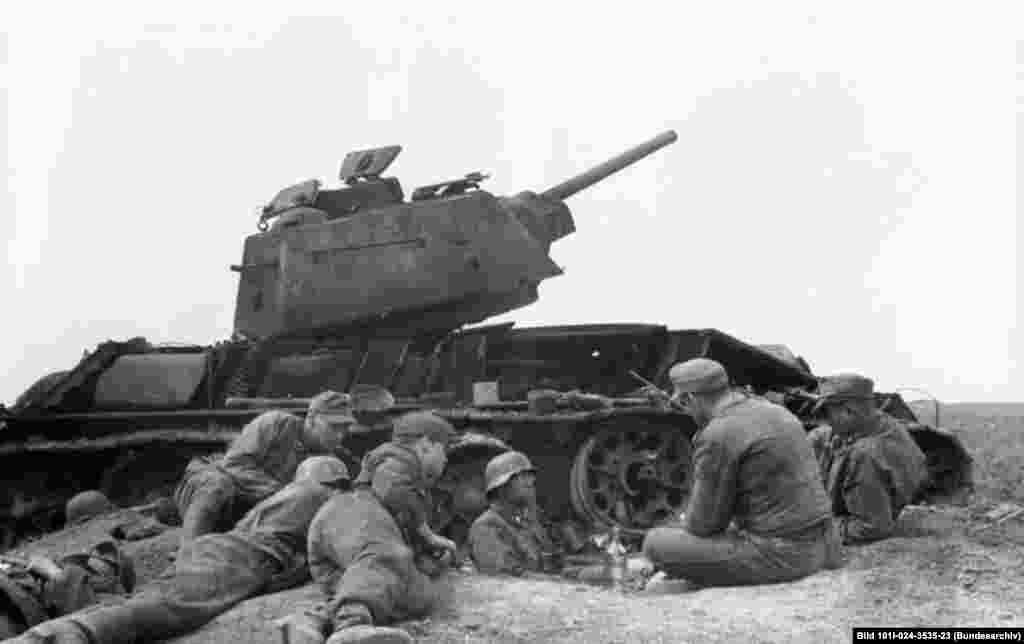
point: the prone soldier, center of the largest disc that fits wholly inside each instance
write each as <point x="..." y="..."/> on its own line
<point x="264" y="553"/>
<point x="214" y="492"/>
<point x="371" y="551"/>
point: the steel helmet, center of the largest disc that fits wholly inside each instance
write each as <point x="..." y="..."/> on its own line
<point x="325" y="470"/>
<point x="86" y="505"/>
<point x="503" y="467"/>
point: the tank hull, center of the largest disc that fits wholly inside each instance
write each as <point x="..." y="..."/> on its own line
<point x="81" y="430"/>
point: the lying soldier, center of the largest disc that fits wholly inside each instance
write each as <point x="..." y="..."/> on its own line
<point x="370" y="551"/>
<point x="215" y="492"/>
<point x="871" y="466"/>
<point x="264" y="553"/>
<point x="508" y="538"/>
<point x="38" y="590"/>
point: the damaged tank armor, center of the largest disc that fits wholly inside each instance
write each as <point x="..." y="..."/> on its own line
<point x="356" y="285"/>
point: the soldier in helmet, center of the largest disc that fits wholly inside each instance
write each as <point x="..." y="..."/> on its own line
<point x="371" y="551"/>
<point x="264" y="553"/>
<point x="871" y="466"/>
<point x="753" y="468"/>
<point x="214" y="492"/>
<point x="508" y="538"/>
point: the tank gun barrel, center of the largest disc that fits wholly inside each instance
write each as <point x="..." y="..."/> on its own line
<point x="586" y="179"/>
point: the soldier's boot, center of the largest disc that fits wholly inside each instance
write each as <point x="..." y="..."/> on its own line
<point x="55" y="631"/>
<point x="305" y="627"/>
<point x="663" y="584"/>
<point x="354" y="625"/>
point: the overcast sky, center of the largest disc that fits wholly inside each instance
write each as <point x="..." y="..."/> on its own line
<point x="844" y="179"/>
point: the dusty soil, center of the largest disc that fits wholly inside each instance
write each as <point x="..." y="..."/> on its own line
<point x="947" y="566"/>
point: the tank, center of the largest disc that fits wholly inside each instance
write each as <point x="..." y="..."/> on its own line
<point x="356" y="288"/>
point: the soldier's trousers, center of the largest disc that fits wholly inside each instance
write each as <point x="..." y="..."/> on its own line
<point x="737" y="558"/>
<point x="219" y="571"/>
<point x="359" y="555"/>
<point x="206" y="499"/>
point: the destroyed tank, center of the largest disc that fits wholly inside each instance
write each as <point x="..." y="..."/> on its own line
<point x="357" y="289"/>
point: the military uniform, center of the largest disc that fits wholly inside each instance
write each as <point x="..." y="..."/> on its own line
<point x="509" y="541"/>
<point x="363" y="546"/>
<point x="870" y="475"/>
<point x="216" y="491"/>
<point x="264" y="553"/>
<point x="758" y="512"/>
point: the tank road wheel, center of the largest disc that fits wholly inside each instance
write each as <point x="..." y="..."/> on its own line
<point x="634" y="473"/>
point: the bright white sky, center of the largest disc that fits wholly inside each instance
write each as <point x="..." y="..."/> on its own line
<point x="844" y="180"/>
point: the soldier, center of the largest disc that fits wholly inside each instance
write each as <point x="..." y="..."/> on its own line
<point x="508" y="538"/>
<point x="754" y="468"/>
<point x="40" y="589"/>
<point x="871" y="466"/>
<point x="371" y="551"/>
<point x="216" y="492"/>
<point x="264" y="553"/>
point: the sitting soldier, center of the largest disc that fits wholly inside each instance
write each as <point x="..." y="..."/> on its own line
<point x="508" y="538"/>
<point x="215" y="492"/>
<point x="264" y="553"/>
<point x="38" y="590"/>
<point x="371" y="551"/>
<point x="871" y="466"/>
<point x="758" y="512"/>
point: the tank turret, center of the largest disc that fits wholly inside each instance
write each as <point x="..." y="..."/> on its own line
<point x="453" y="254"/>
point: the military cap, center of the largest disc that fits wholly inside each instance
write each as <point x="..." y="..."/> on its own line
<point x="699" y="375"/>
<point x="423" y="423"/>
<point x="371" y="398"/>
<point x="846" y="386"/>
<point x="86" y="505"/>
<point x="335" y="407"/>
<point x="325" y="470"/>
<point x="503" y="467"/>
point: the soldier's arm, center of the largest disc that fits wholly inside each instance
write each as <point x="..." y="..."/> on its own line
<point x="820" y="437"/>
<point x="400" y="489"/>
<point x="68" y="591"/>
<point x="248" y="454"/>
<point x="492" y="554"/>
<point x="867" y="501"/>
<point x="296" y="574"/>
<point x="714" y="490"/>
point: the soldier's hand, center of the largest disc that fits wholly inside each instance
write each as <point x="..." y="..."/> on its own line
<point x="44" y="566"/>
<point x="442" y="543"/>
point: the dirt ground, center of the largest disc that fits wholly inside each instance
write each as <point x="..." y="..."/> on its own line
<point x="947" y="566"/>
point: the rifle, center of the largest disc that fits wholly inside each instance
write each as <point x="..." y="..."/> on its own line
<point x="672" y="402"/>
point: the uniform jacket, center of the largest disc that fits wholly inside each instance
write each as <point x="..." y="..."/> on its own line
<point x="504" y="540"/>
<point x="754" y="466"/>
<point x="395" y="474"/>
<point x="279" y="525"/>
<point x="870" y="475"/>
<point x="265" y="456"/>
